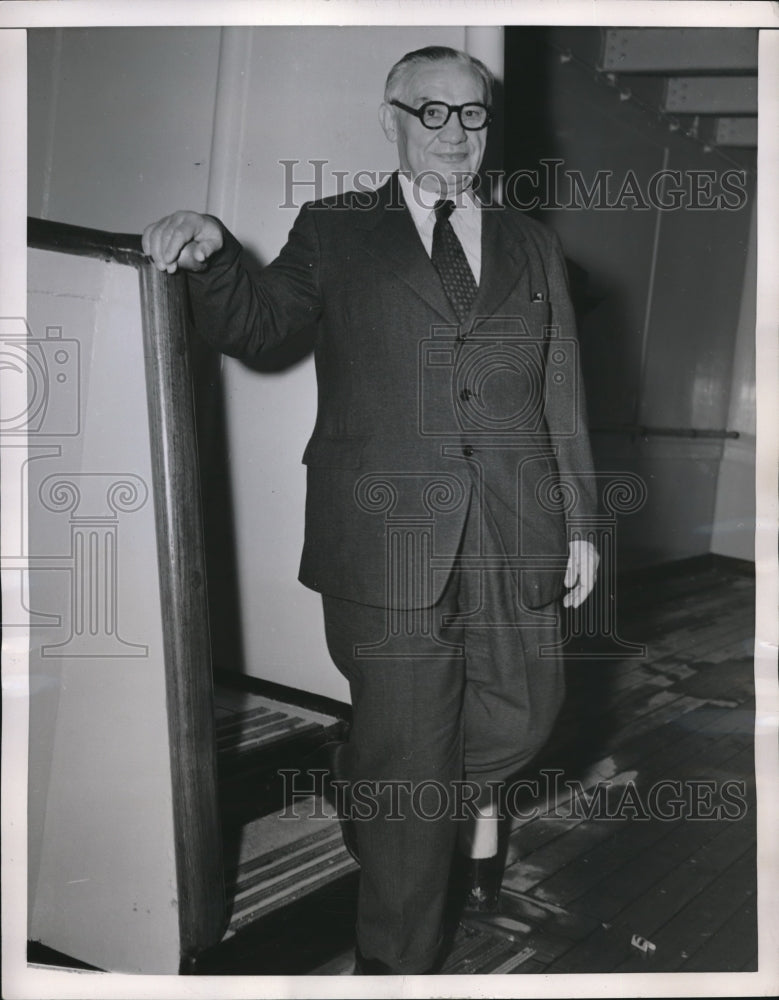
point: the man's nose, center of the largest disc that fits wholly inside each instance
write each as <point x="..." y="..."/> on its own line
<point x="453" y="130"/>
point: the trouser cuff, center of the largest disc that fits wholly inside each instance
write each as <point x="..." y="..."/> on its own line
<point x="415" y="966"/>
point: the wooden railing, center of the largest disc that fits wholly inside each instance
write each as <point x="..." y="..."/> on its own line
<point x="182" y="575"/>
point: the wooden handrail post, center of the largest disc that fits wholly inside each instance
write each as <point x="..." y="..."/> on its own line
<point x="182" y="570"/>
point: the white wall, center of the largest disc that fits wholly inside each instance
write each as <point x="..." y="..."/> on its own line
<point x="120" y="123"/>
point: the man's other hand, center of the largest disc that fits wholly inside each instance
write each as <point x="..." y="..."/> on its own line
<point x="183" y="240"/>
<point x="580" y="573"/>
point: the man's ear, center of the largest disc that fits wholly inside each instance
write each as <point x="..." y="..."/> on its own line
<point x="387" y="120"/>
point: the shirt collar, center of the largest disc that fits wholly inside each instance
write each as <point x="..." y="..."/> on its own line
<point x="421" y="202"/>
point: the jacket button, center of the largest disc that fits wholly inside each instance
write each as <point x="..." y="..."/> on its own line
<point x="467" y="451"/>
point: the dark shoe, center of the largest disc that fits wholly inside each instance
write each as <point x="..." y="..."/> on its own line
<point x="482" y="879"/>
<point x="341" y="798"/>
<point x="370" y="966"/>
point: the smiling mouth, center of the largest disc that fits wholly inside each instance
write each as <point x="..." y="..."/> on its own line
<point x="452" y="157"/>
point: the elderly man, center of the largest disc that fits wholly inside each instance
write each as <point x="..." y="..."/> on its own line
<point x="448" y="463"/>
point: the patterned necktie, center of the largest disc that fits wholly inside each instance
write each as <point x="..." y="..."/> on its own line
<point x="450" y="261"/>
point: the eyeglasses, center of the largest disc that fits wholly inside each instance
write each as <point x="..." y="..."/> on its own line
<point x="435" y="114"/>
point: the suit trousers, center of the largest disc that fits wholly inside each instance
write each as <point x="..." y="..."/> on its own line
<point x="463" y="690"/>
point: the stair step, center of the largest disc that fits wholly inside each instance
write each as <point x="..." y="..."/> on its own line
<point x="258" y="736"/>
<point x="277" y="859"/>
<point x="252" y="738"/>
<point x="286" y="868"/>
<point x="248" y="721"/>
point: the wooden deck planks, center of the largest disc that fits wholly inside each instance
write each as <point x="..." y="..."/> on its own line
<point x="695" y="924"/>
<point x="647" y="913"/>
<point x="689" y="883"/>
<point x="731" y="949"/>
<point x="590" y="851"/>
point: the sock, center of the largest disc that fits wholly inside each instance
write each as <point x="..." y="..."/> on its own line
<point x="484" y="838"/>
<point x="479" y="837"/>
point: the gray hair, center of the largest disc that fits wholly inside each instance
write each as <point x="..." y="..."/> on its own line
<point x="433" y="54"/>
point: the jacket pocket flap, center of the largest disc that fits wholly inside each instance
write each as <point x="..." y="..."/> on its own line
<point x="335" y="452"/>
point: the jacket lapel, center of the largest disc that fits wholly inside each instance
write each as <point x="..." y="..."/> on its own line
<point x="503" y="261"/>
<point x="390" y="234"/>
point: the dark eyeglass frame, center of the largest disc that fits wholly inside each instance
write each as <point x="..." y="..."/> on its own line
<point x="420" y="111"/>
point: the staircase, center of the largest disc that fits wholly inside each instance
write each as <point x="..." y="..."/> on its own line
<point x="289" y="881"/>
<point x="701" y="82"/>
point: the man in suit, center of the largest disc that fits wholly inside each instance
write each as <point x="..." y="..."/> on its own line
<point x="445" y="473"/>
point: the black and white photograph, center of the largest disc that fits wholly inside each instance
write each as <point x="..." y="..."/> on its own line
<point x="389" y="488"/>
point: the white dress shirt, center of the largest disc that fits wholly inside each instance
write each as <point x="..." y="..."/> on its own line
<point x="465" y="219"/>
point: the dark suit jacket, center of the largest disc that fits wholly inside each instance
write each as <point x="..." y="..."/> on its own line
<point x="420" y="419"/>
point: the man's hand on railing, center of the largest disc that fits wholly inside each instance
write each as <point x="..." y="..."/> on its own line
<point x="182" y="240"/>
